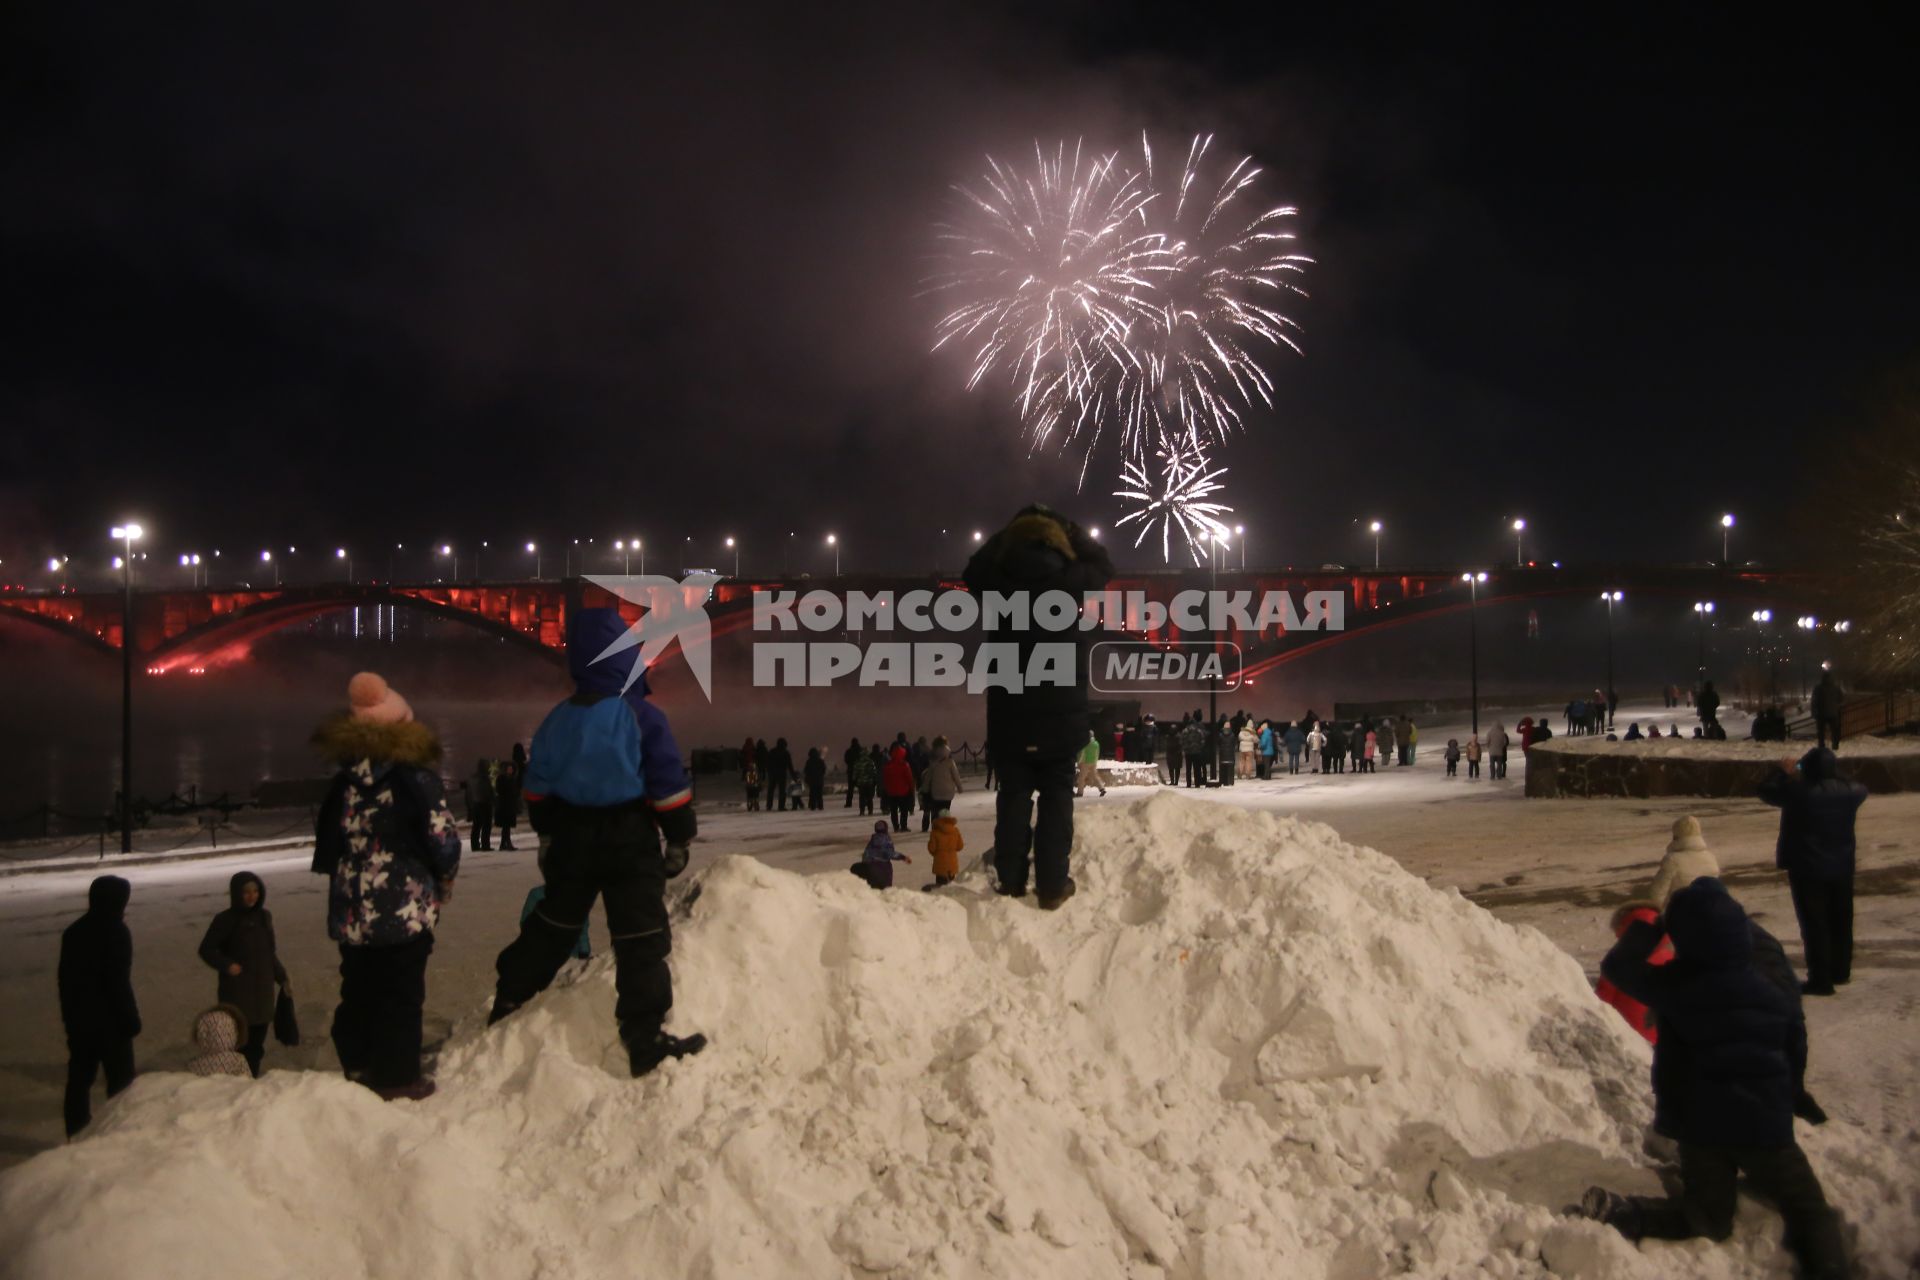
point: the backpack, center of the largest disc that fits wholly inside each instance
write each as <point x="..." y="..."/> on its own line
<point x="588" y="754"/>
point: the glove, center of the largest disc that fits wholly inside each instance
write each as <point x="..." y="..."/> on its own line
<point x="1807" y="1109"/>
<point x="675" y="860"/>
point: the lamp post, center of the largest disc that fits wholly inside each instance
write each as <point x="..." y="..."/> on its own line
<point x="479" y="573"/>
<point x="626" y="555"/>
<point x="1807" y="624"/>
<point x="266" y="557"/>
<point x="1240" y="532"/>
<point x="1612" y="598"/>
<point x="834" y="542"/>
<point x="340" y="554"/>
<point x="1376" y="527"/>
<point x="1703" y="613"/>
<point x="56" y="566"/>
<point x="786" y="555"/>
<point x="1473" y="581"/>
<point x="735" y="548"/>
<point x="446" y="550"/>
<point x="1519" y="543"/>
<point x="127" y="534"/>
<point x="1726" y="540"/>
<point x="533" y="549"/>
<point x="1761" y="617"/>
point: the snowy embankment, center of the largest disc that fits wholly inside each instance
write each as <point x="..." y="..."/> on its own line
<point x="1245" y="1049"/>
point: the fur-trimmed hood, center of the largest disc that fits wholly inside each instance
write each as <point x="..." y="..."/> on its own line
<point x="345" y="740"/>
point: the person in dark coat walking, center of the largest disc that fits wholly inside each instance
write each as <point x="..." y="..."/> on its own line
<point x="1175" y="758"/>
<point x="609" y="796"/>
<point x="1828" y="703"/>
<point x="506" y="795"/>
<point x="239" y="946"/>
<point x="389" y="848"/>
<point x="1707" y="703"/>
<point x="779" y="772"/>
<point x="1037" y="731"/>
<point x="814" y="774"/>
<point x="478" y="790"/>
<point x="1723" y="1083"/>
<point x="1816" y="850"/>
<point x="848" y="758"/>
<point x="96" y="998"/>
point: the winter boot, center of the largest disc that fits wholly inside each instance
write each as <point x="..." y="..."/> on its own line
<point x="644" y="1053"/>
<point x="1055" y="900"/>
<point x="419" y="1091"/>
<point x="1611" y="1208"/>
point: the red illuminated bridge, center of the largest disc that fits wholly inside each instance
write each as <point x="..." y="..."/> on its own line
<point x="190" y="631"/>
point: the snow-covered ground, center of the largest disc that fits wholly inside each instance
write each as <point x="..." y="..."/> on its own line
<point x="1246" y="1048"/>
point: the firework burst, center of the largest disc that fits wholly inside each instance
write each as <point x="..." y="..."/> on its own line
<point x="1176" y="500"/>
<point x="1113" y="296"/>
<point x="1049" y="273"/>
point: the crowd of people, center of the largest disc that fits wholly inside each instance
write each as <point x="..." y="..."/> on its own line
<point x="606" y="791"/>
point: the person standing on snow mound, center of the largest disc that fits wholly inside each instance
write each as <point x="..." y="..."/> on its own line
<point x="1037" y="730"/>
<point x="389" y="848"/>
<point x="1723" y="1083"/>
<point x="604" y="786"/>
<point x="1816" y="850"/>
<point x="96" y="998"/>
<point x="239" y="946"/>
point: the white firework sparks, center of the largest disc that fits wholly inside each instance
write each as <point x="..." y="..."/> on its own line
<point x="1051" y="278"/>
<point x="1178" y="501"/>
<point x="1218" y="288"/>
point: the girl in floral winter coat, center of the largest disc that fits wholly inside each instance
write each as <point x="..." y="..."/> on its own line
<point x="388" y="845"/>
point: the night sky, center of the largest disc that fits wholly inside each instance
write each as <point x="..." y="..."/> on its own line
<point x="357" y="273"/>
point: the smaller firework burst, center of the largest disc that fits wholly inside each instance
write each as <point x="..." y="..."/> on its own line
<point x="1177" y="500"/>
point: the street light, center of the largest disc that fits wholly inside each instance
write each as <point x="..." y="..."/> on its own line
<point x="1612" y="598"/>
<point x="1761" y="617"/>
<point x="533" y="549"/>
<point x="1240" y="532"/>
<point x="835" y="544"/>
<point x="190" y="561"/>
<point x="127" y="534"/>
<point x="1376" y="527"/>
<point x="1094" y="533"/>
<point x="1473" y="581"/>
<point x="735" y="548"/>
<point x="266" y="557"/>
<point x="1703" y="613"/>
<point x="1808" y="624"/>
<point x="340" y="554"/>
<point x="1519" y="544"/>
<point x="1726" y="537"/>
<point x="446" y="549"/>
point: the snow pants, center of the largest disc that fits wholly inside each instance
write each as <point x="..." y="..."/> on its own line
<point x="1706" y="1203"/>
<point x="1825" y="911"/>
<point x="1825" y="725"/>
<point x="481" y="834"/>
<point x="376" y="1027"/>
<point x="611" y="854"/>
<point x="1026" y="786"/>
<point x="86" y="1057"/>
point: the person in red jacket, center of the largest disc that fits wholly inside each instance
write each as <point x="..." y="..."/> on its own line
<point x="1632" y="1010"/>
<point x="896" y="785"/>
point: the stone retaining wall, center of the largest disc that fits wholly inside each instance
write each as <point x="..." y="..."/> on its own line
<point x="1554" y="772"/>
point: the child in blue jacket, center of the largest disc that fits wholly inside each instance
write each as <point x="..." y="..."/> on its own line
<point x="877" y="859"/>
<point x="609" y="797"/>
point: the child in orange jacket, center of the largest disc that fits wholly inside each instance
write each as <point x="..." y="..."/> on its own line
<point x="945" y="844"/>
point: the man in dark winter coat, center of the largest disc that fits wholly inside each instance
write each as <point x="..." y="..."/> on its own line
<point x="239" y="946"/>
<point x="1815" y="849"/>
<point x="1827" y="707"/>
<point x="1722" y="1082"/>
<point x="479" y="794"/>
<point x="779" y="771"/>
<point x="605" y="788"/>
<point x="506" y="795"/>
<point x="1193" y="746"/>
<point x="389" y="848"/>
<point x="848" y="758"/>
<point x="96" y="998"/>
<point x="1707" y="703"/>
<point x="1038" y="730"/>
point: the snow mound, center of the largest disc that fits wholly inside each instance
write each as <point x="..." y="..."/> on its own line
<point x="1245" y="1049"/>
